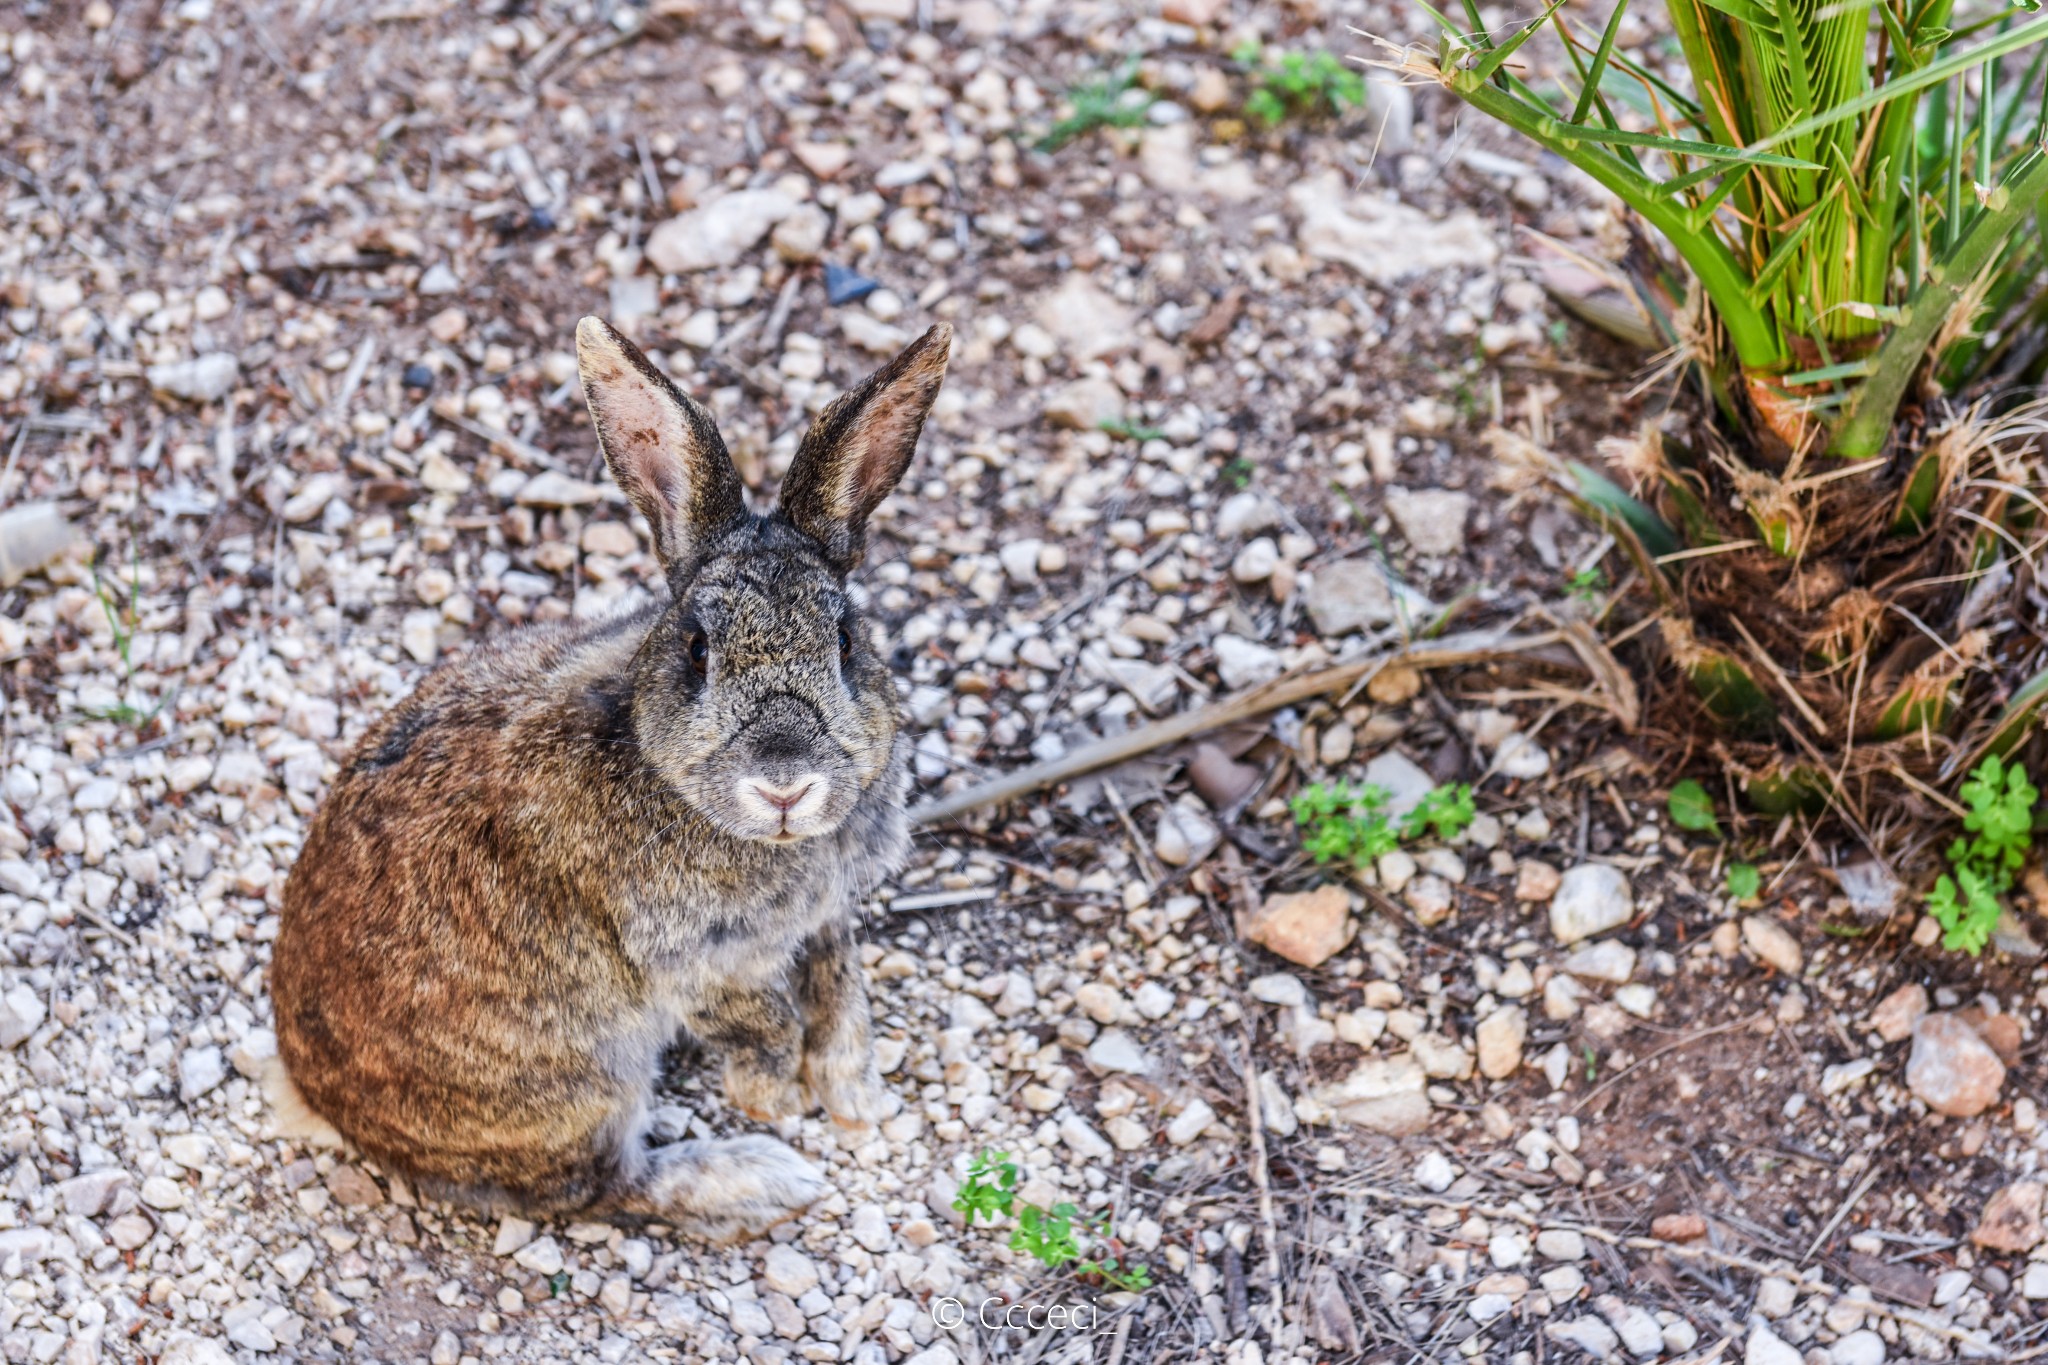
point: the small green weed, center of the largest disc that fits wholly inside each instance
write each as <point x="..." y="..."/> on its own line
<point x="124" y="619"/>
<point x="1126" y="430"/>
<point x="1586" y="585"/>
<point x="1298" y="85"/>
<point x="1744" y="881"/>
<point x="1691" y="808"/>
<point x="1113" y="100"/>
<point x="1237" y="472"/>
<point x="1056" y="1237"/>
<point x="2000" y="827"/>
<point x="1348" y="822"/>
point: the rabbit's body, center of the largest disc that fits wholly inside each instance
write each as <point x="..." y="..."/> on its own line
<point x="569" y="847"/>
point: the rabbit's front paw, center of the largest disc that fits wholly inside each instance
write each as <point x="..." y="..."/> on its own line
<point x="760" y="1093"/>
<point x="729" y="1190"/>
<point x="844" y="1082"/>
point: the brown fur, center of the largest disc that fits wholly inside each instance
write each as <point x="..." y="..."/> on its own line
<point x="557" y="853"/>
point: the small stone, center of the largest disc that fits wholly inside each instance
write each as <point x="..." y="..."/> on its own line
<point x="1394" y="685"/>
<point x="1190" y="1123"/>
<point x="1843" y="1075"/>
<point x="21" y="1013"/>
<point x="1861" y="1347"/>
<point x="1591" y="899"/>
<point x="311" y="499"/>
<point x="1487" y="1307"/>
<point x="161" y="1192"/>
<point x="1606" y="961"/>
<point x="1019" y="559"/>
<point x="1116" y="1052"/>
<point x="718" y="234"/>
<point x="1243" y="663"/>
<point x="448" y="326"/>
<point x="1083" y="1140"/>
<point x="1765" y="1347"/>
<point x="1772" y="944"/>
<point x="353" y="1189"/>
<point x="2011" y="1221"/>
<point x="1775" y="1296"/>
<point x="1560" y="1244"/>
<point x="1521" y="757"/>
<point x="1587" y="1334"/>
<point x="788" y="1271"/>
<point x="543" y="1256"/>
<point x="1383" y="1094"/>
<point x="1951" y="1069"/>
<point x="870" y="1227"/>
<point x="1637" y="998"/>
<point x="88" y="1195"/>
<point x="1431" y="900"/>
<point x="1278" y="988"/>
<point x="203" y="379"/>
<point x="2034" y="1284"/>
<point x="200" y="1069"/>
<point x="1306" y="927"/>
<point x="1256" y="561"/>
<point x="1405" y="783"/>
<point x="1433" y="519"/>
<point x="550" y="488"/>
<point x="1246" y="513"/>
<point x="800" y="238"/>
<point x="1084" y="404"/>
<point x="1536" y="881"/>
<point x="1678" y="1227"/>
<point x="1499" y="1039"/>
<point x="1638" y="1330"/>
<point x="1348" y="596"/>
<point x="513" y="1233"/>
<point x="1434" y="1172"/>
<point x="1895" y="1015"/>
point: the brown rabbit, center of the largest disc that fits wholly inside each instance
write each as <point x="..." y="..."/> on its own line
<point x="577" y="843"/>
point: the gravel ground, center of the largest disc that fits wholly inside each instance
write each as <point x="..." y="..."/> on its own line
<point x="288" y="292"/>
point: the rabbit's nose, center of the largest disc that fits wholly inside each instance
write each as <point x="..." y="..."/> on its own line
<point x="783" y="799"/>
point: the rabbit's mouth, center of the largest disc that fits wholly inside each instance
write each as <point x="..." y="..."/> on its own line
<point x="785" y="810"/>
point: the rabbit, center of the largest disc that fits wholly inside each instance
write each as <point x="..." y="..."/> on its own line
<point x="579" y="843"/>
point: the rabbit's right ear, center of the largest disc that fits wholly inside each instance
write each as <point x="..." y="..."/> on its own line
<point x="663" y="449"/>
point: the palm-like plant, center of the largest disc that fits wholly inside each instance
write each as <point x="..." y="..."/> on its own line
<point x="1840" y="547"/>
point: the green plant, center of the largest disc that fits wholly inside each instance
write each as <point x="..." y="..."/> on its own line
<point x="1054" y="1237"/>
<point x="1852" y="197"/>
<point x="1297" y="85"/>
<point x="1349" y="822"/>
<point x="124" y="619"/>
<point x="2000" y="832"/>
<point x="1126" y="430"/>
<point x="1586" y="585"/>
<point x="1744" y="881"/>
<point x="1691" y="808"/>
<point x="1112" y="100"/>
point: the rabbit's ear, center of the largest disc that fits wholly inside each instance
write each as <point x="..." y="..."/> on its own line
<point x="859" y="447"/>
<point x="663" y="449"/>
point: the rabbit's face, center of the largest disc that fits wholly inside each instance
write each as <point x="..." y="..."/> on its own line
<point x="759" y="695"/>
<point x="761" y="698"/>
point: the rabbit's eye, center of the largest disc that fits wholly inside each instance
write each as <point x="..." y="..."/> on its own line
<point x="845" y="644"/>
<point x="699" y="650"/>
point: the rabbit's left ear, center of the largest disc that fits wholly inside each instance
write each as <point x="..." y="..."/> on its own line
<point x="859" y="447"/>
